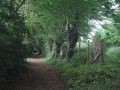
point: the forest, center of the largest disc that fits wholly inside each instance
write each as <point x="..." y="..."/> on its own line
<point x="76" y="42"/>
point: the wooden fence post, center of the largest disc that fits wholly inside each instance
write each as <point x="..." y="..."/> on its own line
<point x="79" y="47"/>
<point x="88" y="51"/>
<point x="102" y="51"/>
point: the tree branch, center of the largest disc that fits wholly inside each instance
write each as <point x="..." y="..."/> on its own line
<point x="16" y="3"/>
<point x="20" y="5"/>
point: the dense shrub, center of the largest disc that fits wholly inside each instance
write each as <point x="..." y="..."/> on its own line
<point x="114" y="51"/>
<point x="113" y="56"/>
<point x="79" y="59"/>
<point x="12" y="34"/>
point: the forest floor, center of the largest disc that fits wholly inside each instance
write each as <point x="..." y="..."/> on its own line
<point x="38" y="77"/>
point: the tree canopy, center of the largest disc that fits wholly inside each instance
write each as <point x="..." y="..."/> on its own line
<point x="57" y="29"/>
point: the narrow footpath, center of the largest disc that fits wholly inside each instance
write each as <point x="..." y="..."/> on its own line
<point x="37" y="77"/>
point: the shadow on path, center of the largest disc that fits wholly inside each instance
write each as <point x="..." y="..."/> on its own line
<point x="38" y="77"/>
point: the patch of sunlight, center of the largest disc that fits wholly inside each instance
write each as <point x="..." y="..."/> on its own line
<point x="45" y="60"/>
<point x="28" y="59"/>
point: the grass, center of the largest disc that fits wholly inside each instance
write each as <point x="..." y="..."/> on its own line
<point x="88" y="76"/>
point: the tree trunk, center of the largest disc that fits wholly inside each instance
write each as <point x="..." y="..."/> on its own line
<point x="58" y="46"/>
<point x="79" y="47"/>
<point x="56" y="53"/>
<point x="50" y="43"/>
<point x="72" y="38"/>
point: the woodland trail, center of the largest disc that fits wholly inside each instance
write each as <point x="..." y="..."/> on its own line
<point x="37" y="77"/>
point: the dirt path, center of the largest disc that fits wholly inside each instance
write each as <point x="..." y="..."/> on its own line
<point x="38" y="77"/>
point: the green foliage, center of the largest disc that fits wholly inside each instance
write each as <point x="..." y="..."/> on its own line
<point x="49" y="17"/>
<point x="88" y="77"/>
<point x="79" y="59"/>
<point x="12" y="33"/>
<point x="113" y="59"/>
<point x="110" y="34"/>
<point x="114" y="51"/>
<point x="113" y="55"/>
<point x="46" y="20"/>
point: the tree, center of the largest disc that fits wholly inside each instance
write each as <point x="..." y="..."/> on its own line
<point x="12" y="33"/>
<point x="54" y="15"/>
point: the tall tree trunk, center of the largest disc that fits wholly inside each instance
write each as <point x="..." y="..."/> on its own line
<point x="58" y="46"/>
<point x="56" y="53"/>
<point x="79" y="47"/>
<point x="50" y="44"/>
<point x="71" y="39"/>
<point x="62" y="52"/>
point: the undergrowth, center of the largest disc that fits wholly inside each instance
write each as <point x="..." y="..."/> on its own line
<point x="88" y="76"/>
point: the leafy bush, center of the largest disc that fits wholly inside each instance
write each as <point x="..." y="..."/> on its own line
<point x="12" y="34"/>
<point x="79" y="59"/>
<point x="113" y="56"/>
<point x="114" y="51"/>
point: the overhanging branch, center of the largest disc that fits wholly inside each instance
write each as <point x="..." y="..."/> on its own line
<point x="20" y="5"/>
